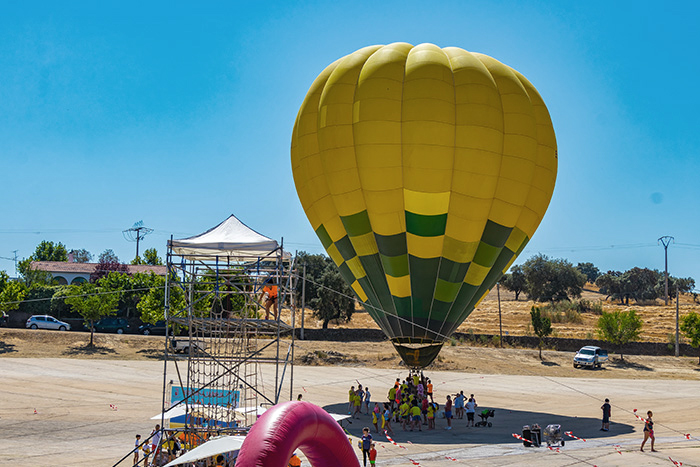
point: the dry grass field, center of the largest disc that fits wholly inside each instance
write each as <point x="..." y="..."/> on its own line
<point x="659" y="320"/>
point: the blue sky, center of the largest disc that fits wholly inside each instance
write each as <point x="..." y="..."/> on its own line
<point x="180" y="115"/>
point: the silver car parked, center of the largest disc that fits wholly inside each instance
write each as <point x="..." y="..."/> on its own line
<point x="46" y="322"/>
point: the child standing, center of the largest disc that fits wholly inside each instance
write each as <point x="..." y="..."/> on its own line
<point x="136" y="449"/>
<point x="372" y="456"/>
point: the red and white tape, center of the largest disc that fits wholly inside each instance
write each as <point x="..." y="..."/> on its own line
<point x="386" y="433"/>
<point x="414" y="462"/>
<point x="675" y="462"/>
<point x="618" y="448"/>
<point x="638" y="417"/>
<point x="113" y="407"/>
<point x="517" y="436"/>
<point x="450" y="458"/>
<point x="687" y="435"/>
<point x="571" y="435"/>
<point x="553" y="449"/>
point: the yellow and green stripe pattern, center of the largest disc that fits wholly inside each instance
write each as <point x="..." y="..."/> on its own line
<point x="424" y="172"/>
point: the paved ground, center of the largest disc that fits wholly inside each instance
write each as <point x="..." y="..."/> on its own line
<point x="75" y="426"/>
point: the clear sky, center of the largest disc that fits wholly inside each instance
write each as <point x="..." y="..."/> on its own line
<point x="180" y="115"/>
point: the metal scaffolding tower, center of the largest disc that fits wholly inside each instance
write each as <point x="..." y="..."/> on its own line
<point x="236" y="363"/>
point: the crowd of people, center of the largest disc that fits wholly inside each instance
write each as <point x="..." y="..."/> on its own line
<point x="411" y="404"/>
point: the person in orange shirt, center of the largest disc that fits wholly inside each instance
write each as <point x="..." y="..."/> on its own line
<point x="429" y="391"/>
<point x="269" y="296"/>
<point x="294" y="461"/>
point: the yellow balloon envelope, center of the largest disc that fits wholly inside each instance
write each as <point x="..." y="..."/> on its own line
<point x="424" y="172"/>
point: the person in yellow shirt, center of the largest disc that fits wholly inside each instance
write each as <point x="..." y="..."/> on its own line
<point x="431" y="416"/>
<point x="392" y="395"/>
<point x="403" y="410"/>
<point x="357" y="404"/>
<point x="351" y="399"/>
<point x="415" y="417"/>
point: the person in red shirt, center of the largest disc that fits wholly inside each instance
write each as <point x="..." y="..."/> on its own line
<point x="372" y="455"/>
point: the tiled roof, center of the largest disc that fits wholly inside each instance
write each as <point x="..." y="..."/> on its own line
<point x="55" y="267"/>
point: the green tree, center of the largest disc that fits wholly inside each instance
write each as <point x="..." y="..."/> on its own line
<point x="335" y="299"/>
<point x="44" y="251"/>
<point x="610" y="284"/>
<point x="541" y="325"/>
<point x="11" y="293"/>
<point x="108" y="256"/>
<point x="619" y="328"/>
<point x="640" y="284"/>
<point x="589" y="270"/>
<point x="86" y="300"/>
<point x="50" y="251"/>
<point x="514" y="281"/>
<point x="38" y="300"/>
<point x="682" y="284"/>
<point x="130" y="289"/>
<point x="315" y="267"/>
<point x="152" y="304"/>
<point x="150" y="256"/>
<point x="690" y="325"/>
<point x="552" y="280"/>
<point x="81" y="256"/>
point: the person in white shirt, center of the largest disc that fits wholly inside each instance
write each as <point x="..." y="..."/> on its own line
<point x="471" y="409"/>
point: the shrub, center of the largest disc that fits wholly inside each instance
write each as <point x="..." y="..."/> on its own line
<point x="562" y="312"/>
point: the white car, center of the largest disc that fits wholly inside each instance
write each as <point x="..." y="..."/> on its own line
<point x="46" y="322"/>
<point x="590" y="356"/>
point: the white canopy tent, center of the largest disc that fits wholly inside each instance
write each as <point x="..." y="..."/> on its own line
<point x="230" y="239"/>
<point x="211" y="448"/>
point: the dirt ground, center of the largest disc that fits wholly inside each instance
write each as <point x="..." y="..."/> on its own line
<point x="85" y="412"/>
<point x="22" y="343"/>
<point x="57" y="395"/>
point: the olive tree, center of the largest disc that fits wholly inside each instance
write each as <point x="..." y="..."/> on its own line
<point x="550" y="280"/>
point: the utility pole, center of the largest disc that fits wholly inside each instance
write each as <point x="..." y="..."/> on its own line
<point x="12" y="259"/>
<point x="678" y="296"/>
<point x="665" y="241"/>
<point x="136" y="234"/>
<point x="500" y="322"/>
<point x="303" y="301"/>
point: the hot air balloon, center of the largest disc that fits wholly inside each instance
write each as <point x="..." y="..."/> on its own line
<point x="424" y="172"/>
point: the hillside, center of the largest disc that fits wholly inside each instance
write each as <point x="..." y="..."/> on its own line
<point x="659" y="320"/>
